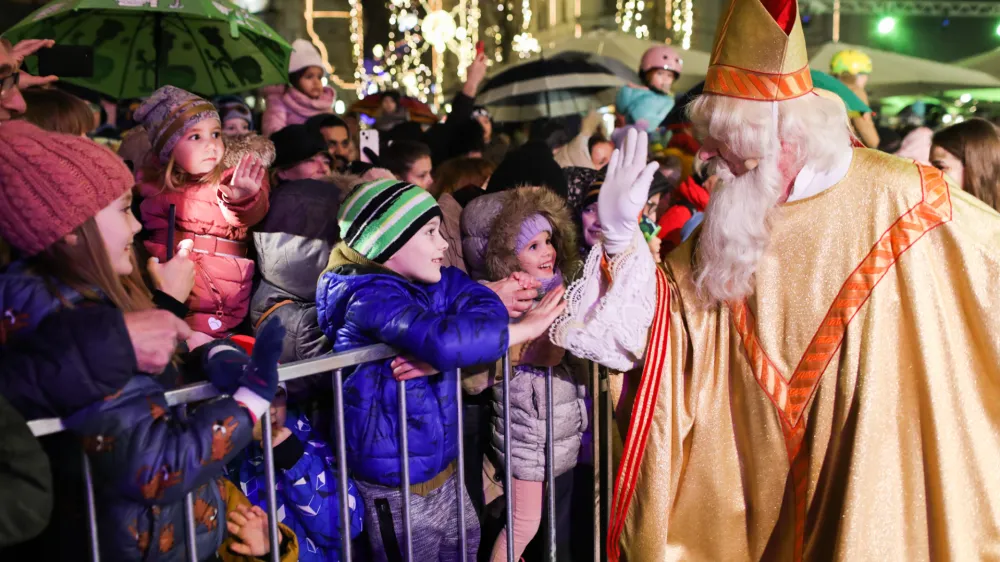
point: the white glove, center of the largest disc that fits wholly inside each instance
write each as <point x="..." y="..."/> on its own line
<point x="625" y="191"/>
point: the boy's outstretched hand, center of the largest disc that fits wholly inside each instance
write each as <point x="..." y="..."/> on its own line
<point x="249" y="526"/>
<point x="538" y="320"/>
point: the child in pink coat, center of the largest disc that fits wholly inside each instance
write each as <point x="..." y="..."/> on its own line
<point x="215" y="206"/>
<point x="305" y="97"/>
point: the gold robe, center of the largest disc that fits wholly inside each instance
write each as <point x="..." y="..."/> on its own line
<point x="848" y="410"/>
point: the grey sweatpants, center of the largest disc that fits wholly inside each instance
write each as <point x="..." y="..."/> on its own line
<point x="433" y="519"/>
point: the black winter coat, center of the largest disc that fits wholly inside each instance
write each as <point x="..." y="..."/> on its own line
<point x="25" y="480"/>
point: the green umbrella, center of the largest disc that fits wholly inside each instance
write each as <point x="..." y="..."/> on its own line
<point x="826" y="82"/>
<point x="209" y="47"/>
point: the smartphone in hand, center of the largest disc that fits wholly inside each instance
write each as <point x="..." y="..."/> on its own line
<point x="66" y="61"/>
<point x="369" y="145"/>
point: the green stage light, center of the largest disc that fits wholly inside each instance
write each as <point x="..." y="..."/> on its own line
<point x="886" y="25"/>
<point x="998" y="29"/>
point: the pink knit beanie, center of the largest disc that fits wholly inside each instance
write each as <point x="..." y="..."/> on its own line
<point x="51" y="183"/>
<point x="168" y="113"/>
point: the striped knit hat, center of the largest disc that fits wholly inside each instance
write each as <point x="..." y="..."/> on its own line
<point x="379" y="217"/>
<point x="167" y="114"/>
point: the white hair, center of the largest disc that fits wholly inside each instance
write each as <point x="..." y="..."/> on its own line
<point x="782" y="137"/>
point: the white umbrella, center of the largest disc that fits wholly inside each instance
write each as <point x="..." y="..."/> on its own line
<point x="894" y="74"/>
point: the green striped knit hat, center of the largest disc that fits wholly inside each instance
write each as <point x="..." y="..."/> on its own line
<point x="379" y="217"/>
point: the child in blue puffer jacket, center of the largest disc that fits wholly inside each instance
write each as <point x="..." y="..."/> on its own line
<point x="306" y="480"/>
<point x="385" y="284"/>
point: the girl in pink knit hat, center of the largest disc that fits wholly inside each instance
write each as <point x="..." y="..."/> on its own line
<point x="215" y="204"/>
<point x="67" y="212"/>
<point x="306" y="95"/>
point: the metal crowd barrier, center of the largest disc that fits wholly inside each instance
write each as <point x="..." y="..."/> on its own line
<point x="335" y="363"/>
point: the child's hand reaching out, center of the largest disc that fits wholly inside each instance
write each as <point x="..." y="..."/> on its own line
<point x="517" y="292"/>
<point x="538" y="320"/>
<point x="247" y="179"/>
<point x="249" y="526"/>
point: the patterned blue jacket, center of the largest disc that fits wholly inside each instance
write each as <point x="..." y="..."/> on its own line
<point x="307" y="492"/>
<point x="451" y="324"/>
<point x="145" y="456"/>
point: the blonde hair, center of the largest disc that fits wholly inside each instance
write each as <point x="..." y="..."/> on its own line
<point x="171" y="176"/>
<point x="85" y="265"/>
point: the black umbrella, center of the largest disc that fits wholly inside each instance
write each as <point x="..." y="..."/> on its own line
<point x="821" y="80"/>
<point x="546" y="82"/>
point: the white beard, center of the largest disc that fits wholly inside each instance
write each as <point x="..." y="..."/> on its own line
<point x="736" y="230"/>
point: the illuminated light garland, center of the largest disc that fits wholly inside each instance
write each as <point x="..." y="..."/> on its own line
<point x="414" y="56"/>
<point x="357" y="43"/>
<point x="524" y="44"/>
<point x="688" y="25"/>
<point x="311" y="15"/>
<point x="629" y="14"/>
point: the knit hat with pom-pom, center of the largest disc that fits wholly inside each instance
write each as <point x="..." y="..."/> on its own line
<point x="51" y="183"/>
<point x="168" y="113"/>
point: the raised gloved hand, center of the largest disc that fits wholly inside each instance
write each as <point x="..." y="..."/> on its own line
<point x="625" y="191"/>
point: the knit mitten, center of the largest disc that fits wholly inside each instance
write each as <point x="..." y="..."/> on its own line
<point x="261" y="374"/>
<point x="224" y="364"/>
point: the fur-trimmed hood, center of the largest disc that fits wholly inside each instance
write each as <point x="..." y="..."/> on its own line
<point x="250" y="143"/>
<point x="517" y="205"/>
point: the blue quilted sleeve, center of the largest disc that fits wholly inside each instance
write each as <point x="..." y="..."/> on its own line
<point x="472" y="331"/>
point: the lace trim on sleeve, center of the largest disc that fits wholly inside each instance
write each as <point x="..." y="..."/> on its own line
<point x="610" y="325"/>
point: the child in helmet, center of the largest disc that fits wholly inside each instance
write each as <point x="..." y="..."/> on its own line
<point x="660" y="67"/>
<point x="853" y="67"/>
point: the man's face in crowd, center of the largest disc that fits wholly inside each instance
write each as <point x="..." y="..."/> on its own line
<point x="338" y="144"/>
<point x="11" y="102"/>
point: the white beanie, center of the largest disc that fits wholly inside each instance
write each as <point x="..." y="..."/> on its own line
<point x="304" y="54"/>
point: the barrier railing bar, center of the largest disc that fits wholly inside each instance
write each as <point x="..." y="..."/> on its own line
<point x="341" y="442"/>
<point x="404" y="444"/>
<point x="88" y="483"/>
<point x="550" y="462"/>
<point x="272" y="494"/>
<point x="189" y="528"/>
<point x="460" y="486"/>
<point x="205" y="390"/>
<point x="602" y="416"/>
<point x="190" y="532"/>
<point x="595" y="451"/>
<point x="508" y="486"/>
<point x="607" y="420"/>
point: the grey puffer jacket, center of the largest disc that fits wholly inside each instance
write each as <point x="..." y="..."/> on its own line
<point x="528" y="427"/>
<point x="293" y="245"/>
<point x="490" y="225"/>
